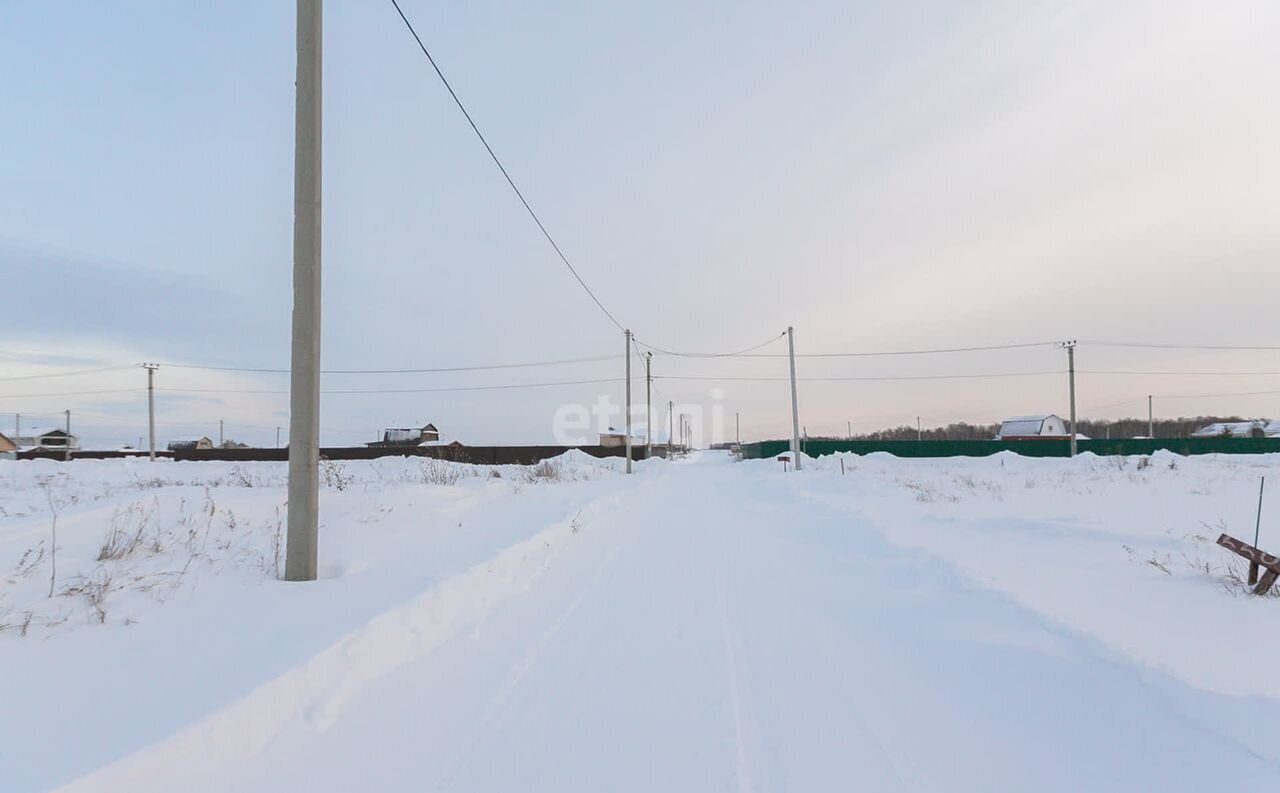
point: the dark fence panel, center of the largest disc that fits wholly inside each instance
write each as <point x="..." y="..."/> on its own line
<point x="479" y="455"/>
<point x="86" y="454"/>
<point x="1045" y="448"/>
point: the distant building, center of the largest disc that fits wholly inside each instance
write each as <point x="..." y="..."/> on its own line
<point x="7" y="445"/>
<point x="614" y="437"/>
<point x="183" y="444"/>
<point x="53" y="439"/>
<point x="1257" y="428"/>
<point x="411" y="436"/>
<point x="1039" y="427"/>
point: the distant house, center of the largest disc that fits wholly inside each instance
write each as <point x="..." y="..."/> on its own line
<point x="1039" y="427"/>
<point x="1257" y="428"/>
<point x="410" y="436"/>
<point x="8" y="449"/>
<point x="53" y="439"/>
<point x="183" y="444"/>
<point x="615" y="437"/>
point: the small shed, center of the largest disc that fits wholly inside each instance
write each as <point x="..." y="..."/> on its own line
<point x="183" y="444"/>
<point x="1038" y="427"/>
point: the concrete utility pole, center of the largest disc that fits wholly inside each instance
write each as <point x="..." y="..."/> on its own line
<point x="628" y="423"/>
<point x="795" y="408"/>
<point x="1071" y="380"/>
<point x="66" y="446"/>
<point x="17" y="426"/>
<point x="220" y="441"/>
<point x="919" y="431"/>
<point x="304" y="385"/>
<point x="848" y="430"/>
<point x="151" y="406"/>
<point x="648" y="406"/>
<point x="671" y="427"/>
<point x="737" y="429"/>
<point x="1151" y="423"/>
<point x="277" y="437"/>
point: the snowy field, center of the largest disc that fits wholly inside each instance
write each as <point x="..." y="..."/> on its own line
<point x="955" y="625"/>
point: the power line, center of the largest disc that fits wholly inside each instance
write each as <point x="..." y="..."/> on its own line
<point x="434" y="370"/>
<point x="1143" y="398"/>
<point x="865" y="379"/>
<point x="1212" y="396"/>
<point x="888" y="353"/>
<point x="400" y="390"/>
<point x="74" y="393"/>
<point x="65" y="374"/>
<point x="1155" y="346"/>
<point x="501" y="167"/>
<point x="712" y="354"/>
<point x="1095" y="408"/>
<point x="1176" y="374"/>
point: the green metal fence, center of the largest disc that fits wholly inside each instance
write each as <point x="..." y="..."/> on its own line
<point x="1045" y="448"/>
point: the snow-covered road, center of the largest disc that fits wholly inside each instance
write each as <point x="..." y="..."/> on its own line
<point x="707" y="627"/>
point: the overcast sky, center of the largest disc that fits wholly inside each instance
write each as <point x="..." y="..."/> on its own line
<point x="881" y="175"/>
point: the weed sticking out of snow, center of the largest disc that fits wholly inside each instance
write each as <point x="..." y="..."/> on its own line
<point x="107" y="542"/>
<point x="335" y="475"/>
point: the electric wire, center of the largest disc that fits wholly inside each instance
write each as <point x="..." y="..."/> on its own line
<point x="710" y="354"/>
<point x="75" y="393"/>
<point x="429" y="370"/>
<point x="1214" y="396"/>
<point x="1157" y="346"/>
<point x="890" y="353"/>
<point x="1177" y="374"/>
<point x="501" y="167"/>
<point x="64" y="374"/>
<point x="866" y="379"/>
<point x="503" y="387"/>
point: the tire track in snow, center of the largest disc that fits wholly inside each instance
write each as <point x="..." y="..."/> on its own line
<point x="740" y="766"/>
<point x="516" y="674"/>
<point x="312" y="695"/>
<point x="906" y="773"/>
